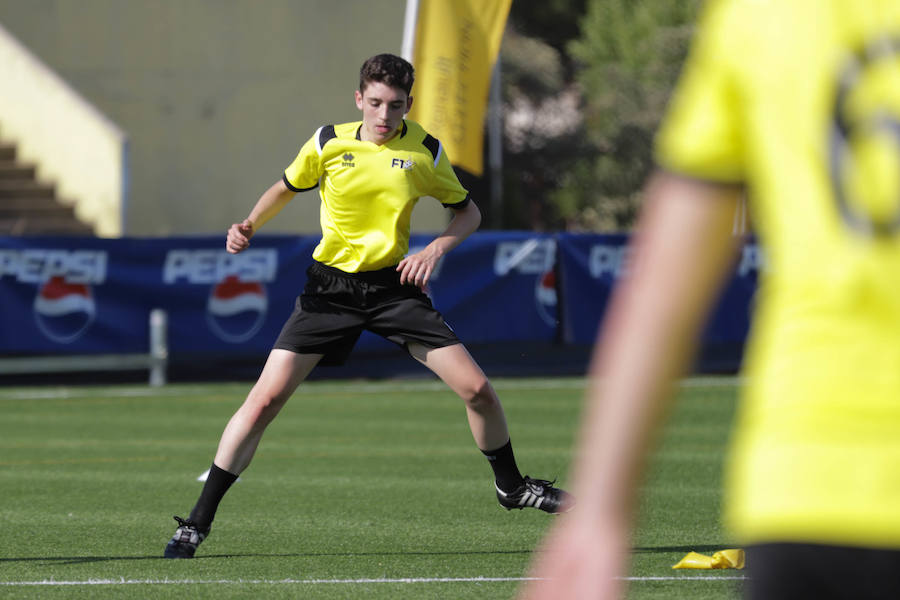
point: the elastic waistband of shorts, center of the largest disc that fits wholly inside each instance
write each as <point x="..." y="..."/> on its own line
<point x="385" y="275"/>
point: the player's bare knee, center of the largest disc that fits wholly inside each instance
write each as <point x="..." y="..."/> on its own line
<point x="481" y="397"/>
<point x="264" y="406"/>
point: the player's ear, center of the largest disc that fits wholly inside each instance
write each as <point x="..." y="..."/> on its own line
<point x="409" y="100"/>
<point x="358" y="96"/>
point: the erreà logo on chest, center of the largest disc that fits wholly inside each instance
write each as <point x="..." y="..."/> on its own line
<point x="399" y="163"/>
<point x="348" y="160"/>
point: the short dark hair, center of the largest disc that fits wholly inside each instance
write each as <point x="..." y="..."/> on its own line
<point x="387" y="69"/>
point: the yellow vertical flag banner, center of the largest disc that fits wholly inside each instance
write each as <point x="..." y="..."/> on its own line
<point x="456" y="44"/>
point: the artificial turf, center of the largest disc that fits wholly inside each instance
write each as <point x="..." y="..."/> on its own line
<point x="359" y="489"/>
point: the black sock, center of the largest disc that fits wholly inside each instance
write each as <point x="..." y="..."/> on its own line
<point x="217" y="483"/>
<point x="503" y="462"/>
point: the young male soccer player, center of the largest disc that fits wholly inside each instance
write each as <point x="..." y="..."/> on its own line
<point x="800" y="102"/>
<point x="370" y="175"/>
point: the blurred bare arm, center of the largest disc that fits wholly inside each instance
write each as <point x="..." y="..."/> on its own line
<point x="681" y="252"/>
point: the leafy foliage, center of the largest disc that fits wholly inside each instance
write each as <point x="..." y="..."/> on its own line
<point x="586" y="108"/>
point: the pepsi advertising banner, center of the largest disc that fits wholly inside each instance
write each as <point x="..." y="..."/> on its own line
<point x="590" y="265"/>
<point x="498" y="287"/>
<point x="53" y="298"/>
<point x="94" y="296"/>
<point x="88" y="295"/>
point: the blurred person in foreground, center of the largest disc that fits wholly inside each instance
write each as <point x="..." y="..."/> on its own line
<point x="798" y="104"/>
<point x="370" y="174"/>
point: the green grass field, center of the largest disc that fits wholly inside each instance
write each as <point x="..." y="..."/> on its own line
<point x="359" y="489"/>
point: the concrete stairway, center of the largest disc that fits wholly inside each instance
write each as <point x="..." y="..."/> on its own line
<point x="28" y="207"/>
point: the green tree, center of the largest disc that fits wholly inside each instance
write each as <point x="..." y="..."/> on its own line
<point x="585" y="84"/>
<point x="541" y="107"/>
<point x="628" y="57"/>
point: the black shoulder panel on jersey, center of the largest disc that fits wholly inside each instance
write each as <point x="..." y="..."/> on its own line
<point x="432" y="144"/>
<point x="327" y="133"/>
<point x="460" y="205"/>
<point x="294" y="188"/>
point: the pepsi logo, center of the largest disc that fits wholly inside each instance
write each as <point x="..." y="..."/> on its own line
<point x="64" y="310"/>
<point x="236" y="309"/>
<point x="545" y="297"/>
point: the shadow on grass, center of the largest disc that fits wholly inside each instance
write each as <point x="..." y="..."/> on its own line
<point x="76" y="560"/>
<point x="688" y="548"/>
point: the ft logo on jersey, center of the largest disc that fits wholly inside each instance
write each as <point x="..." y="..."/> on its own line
<point x="406" y="165"/>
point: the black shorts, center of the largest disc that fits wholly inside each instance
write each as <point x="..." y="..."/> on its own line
<point x="335" y="307"/>
<point x="790" y="571"/>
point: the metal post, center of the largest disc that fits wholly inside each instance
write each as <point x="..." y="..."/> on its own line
<point x="411" y="18"/>
<point x="159" y="346"/>
<point x="495" y="146"/>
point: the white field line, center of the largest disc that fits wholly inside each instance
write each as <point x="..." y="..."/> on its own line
<point x="123" y="581"/>
<point x="320" y="388"/>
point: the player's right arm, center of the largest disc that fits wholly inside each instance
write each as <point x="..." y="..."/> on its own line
<point x="268" y="205"/>
<point x="301" y="175"/>
<point x="681" y="253"/>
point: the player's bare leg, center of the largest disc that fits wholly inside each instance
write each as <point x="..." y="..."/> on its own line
<point x="456" y="367"/>
<point x="487" y="421"/>
<point x="283" y="372"/>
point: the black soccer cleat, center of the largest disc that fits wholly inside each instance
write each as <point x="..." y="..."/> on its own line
<point x="186" y="539"/>
<point x="537" y="493"/>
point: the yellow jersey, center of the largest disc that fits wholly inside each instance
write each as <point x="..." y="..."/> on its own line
<point x="368" y="191"/>
<point x="800" y="102"/>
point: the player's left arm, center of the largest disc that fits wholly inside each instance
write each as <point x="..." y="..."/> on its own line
<point x="416" y="268"/>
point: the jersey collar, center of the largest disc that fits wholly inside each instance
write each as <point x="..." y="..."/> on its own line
<point x="358" y="129"/>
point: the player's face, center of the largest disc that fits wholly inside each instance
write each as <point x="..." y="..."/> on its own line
<point x="383" y="108"/>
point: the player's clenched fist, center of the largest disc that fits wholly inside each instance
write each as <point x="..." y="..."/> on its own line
<point x="239" y="236"/>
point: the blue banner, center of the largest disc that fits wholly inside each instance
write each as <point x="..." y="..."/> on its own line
<point x="590" y="266"/>
<point x="76" y="295"/>
<point x="88" y="295"/>
<point x="499" y="287"/>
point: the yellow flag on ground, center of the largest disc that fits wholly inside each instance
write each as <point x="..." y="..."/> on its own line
<point x="723" y="559"/>
<point x="456" y="45"/>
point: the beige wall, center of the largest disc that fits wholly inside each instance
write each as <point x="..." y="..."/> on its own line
<point x="72" y="144"/>
<point x="215" y="96"/>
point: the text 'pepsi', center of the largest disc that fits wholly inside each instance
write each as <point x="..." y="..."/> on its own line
<point x="213" y="266"/>
<point x="39" y="265"/>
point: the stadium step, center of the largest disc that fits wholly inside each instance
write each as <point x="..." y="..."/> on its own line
<point x="49" y="208"/>
<point x="49" y="226"/>
<point x="25" y="188"/>
<point x="29" y="207"/>
<point x="24" y="203"/>
<point x="14" y="171"/>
